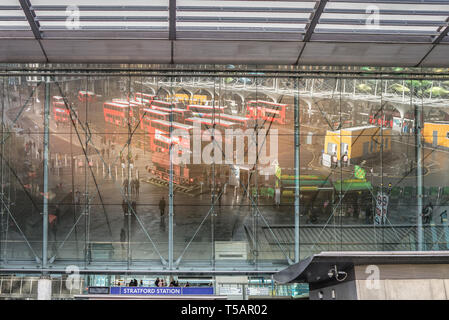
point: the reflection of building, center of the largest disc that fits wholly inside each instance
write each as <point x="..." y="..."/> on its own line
<point x="357" y="142"/>
<point x="436" y="133"/>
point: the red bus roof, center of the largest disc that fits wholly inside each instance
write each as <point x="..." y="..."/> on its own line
<point x="175" y="124"/>
<point x="233" y="117"/>
<point x="267" y="102"/>
<point x="169" y="109"/>
<point x="203" y="106"/>
<point x="162" y="113"/>
<point x="209" y="121"/>
<point x="116" y="104"/>
<point x="126" y="102"/>
<point x="160" y="101"/>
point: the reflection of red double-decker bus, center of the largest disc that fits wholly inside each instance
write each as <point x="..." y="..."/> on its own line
<point x="219" y="124"/>
<point x="243" y="121"/>
<point x="117" y="113"/>
<point x="160" y="145"/>
<point x="147" y="115"/>
<point x="266" y="110"/>
<point x="202" y="111"/>
<point x="162" y="128"/>
<point x="61" y="113"/>
<point x="207" y="123"/>
<point x="144" y="97"/>
<point x="179" y="115"/>
<point x="88" y="96"/>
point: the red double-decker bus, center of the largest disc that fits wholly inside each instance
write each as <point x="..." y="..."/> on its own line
<point x="84" y="96"/>
<point x="207" y="123"/>
<point x="179" y="115"/>
<point x="147" y="115"/>
<point x="162" y="127"/>
<point x="117" y="113"/>
<point x="61" y="113"/>
<point x="160" y="145"/>
<point x="145" y="97"/>
<point x="243" y="121"/>
<point x="203" y="111"/>
<point x="265" y="110"/>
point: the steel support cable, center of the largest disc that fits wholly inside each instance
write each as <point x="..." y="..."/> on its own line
<point x="197" y="230"/>
<point x="71" y="112"/>
<point x="38" y="260"/>
<point x="258" y="211"/>
<point x="332" y="214"/>
<point x="250" y="197"/>
<point x="52" y="259"/>
<point x="124" y="196"/>
<point x="20" y="112"/>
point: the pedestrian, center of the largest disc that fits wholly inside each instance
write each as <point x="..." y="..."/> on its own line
<point x="334" y="160"/>
<point x="125" y="208"/>
<point x="132" y="187"/>
<point x="123" y="238"/>
<point x="162" y="212"/>
<point x="162" y="205"/>
<point x="125" y="186"/>
<point x="137" y="186"/>
<point x="369" y="213"/>
<point x="156" y="283"/>
<point x="277" y="197"/>
<point x="345" y="159"/>
<point x="427" y="213"/>
<point x="219" y="192"/>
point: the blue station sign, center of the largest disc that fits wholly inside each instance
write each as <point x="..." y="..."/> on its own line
<point x="162" y="290"/>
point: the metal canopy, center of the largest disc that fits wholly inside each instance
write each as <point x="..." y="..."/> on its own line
<point x="321" y="32"/>
<point x="315" y="269"/>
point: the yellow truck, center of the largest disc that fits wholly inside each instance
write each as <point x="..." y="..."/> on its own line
<point x="356" y="144"/>
<point x="436" y="134"/>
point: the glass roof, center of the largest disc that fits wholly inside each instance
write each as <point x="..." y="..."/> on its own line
<point x="405" y="22"/>
<point x="416" y="21"/>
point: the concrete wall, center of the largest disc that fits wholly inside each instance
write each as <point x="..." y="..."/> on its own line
<point x="403" y="282"/>
<point x="407" y="289"/>
<point x="342" y="291"/>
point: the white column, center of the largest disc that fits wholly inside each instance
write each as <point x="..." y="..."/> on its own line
<point x="44" y="289"/>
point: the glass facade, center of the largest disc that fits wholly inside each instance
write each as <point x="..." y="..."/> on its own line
<point x="234" y="168"/>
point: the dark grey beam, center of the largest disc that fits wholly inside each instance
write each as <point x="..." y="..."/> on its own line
<point x="172" y="20"/>
<point x="444" y="32"/>
<point x="172" y="27"/>
<point x="310" y="28"/>
<point x="31" y="17"/>
<point x="34" y="25"/>
<point x="314" y="21"/>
